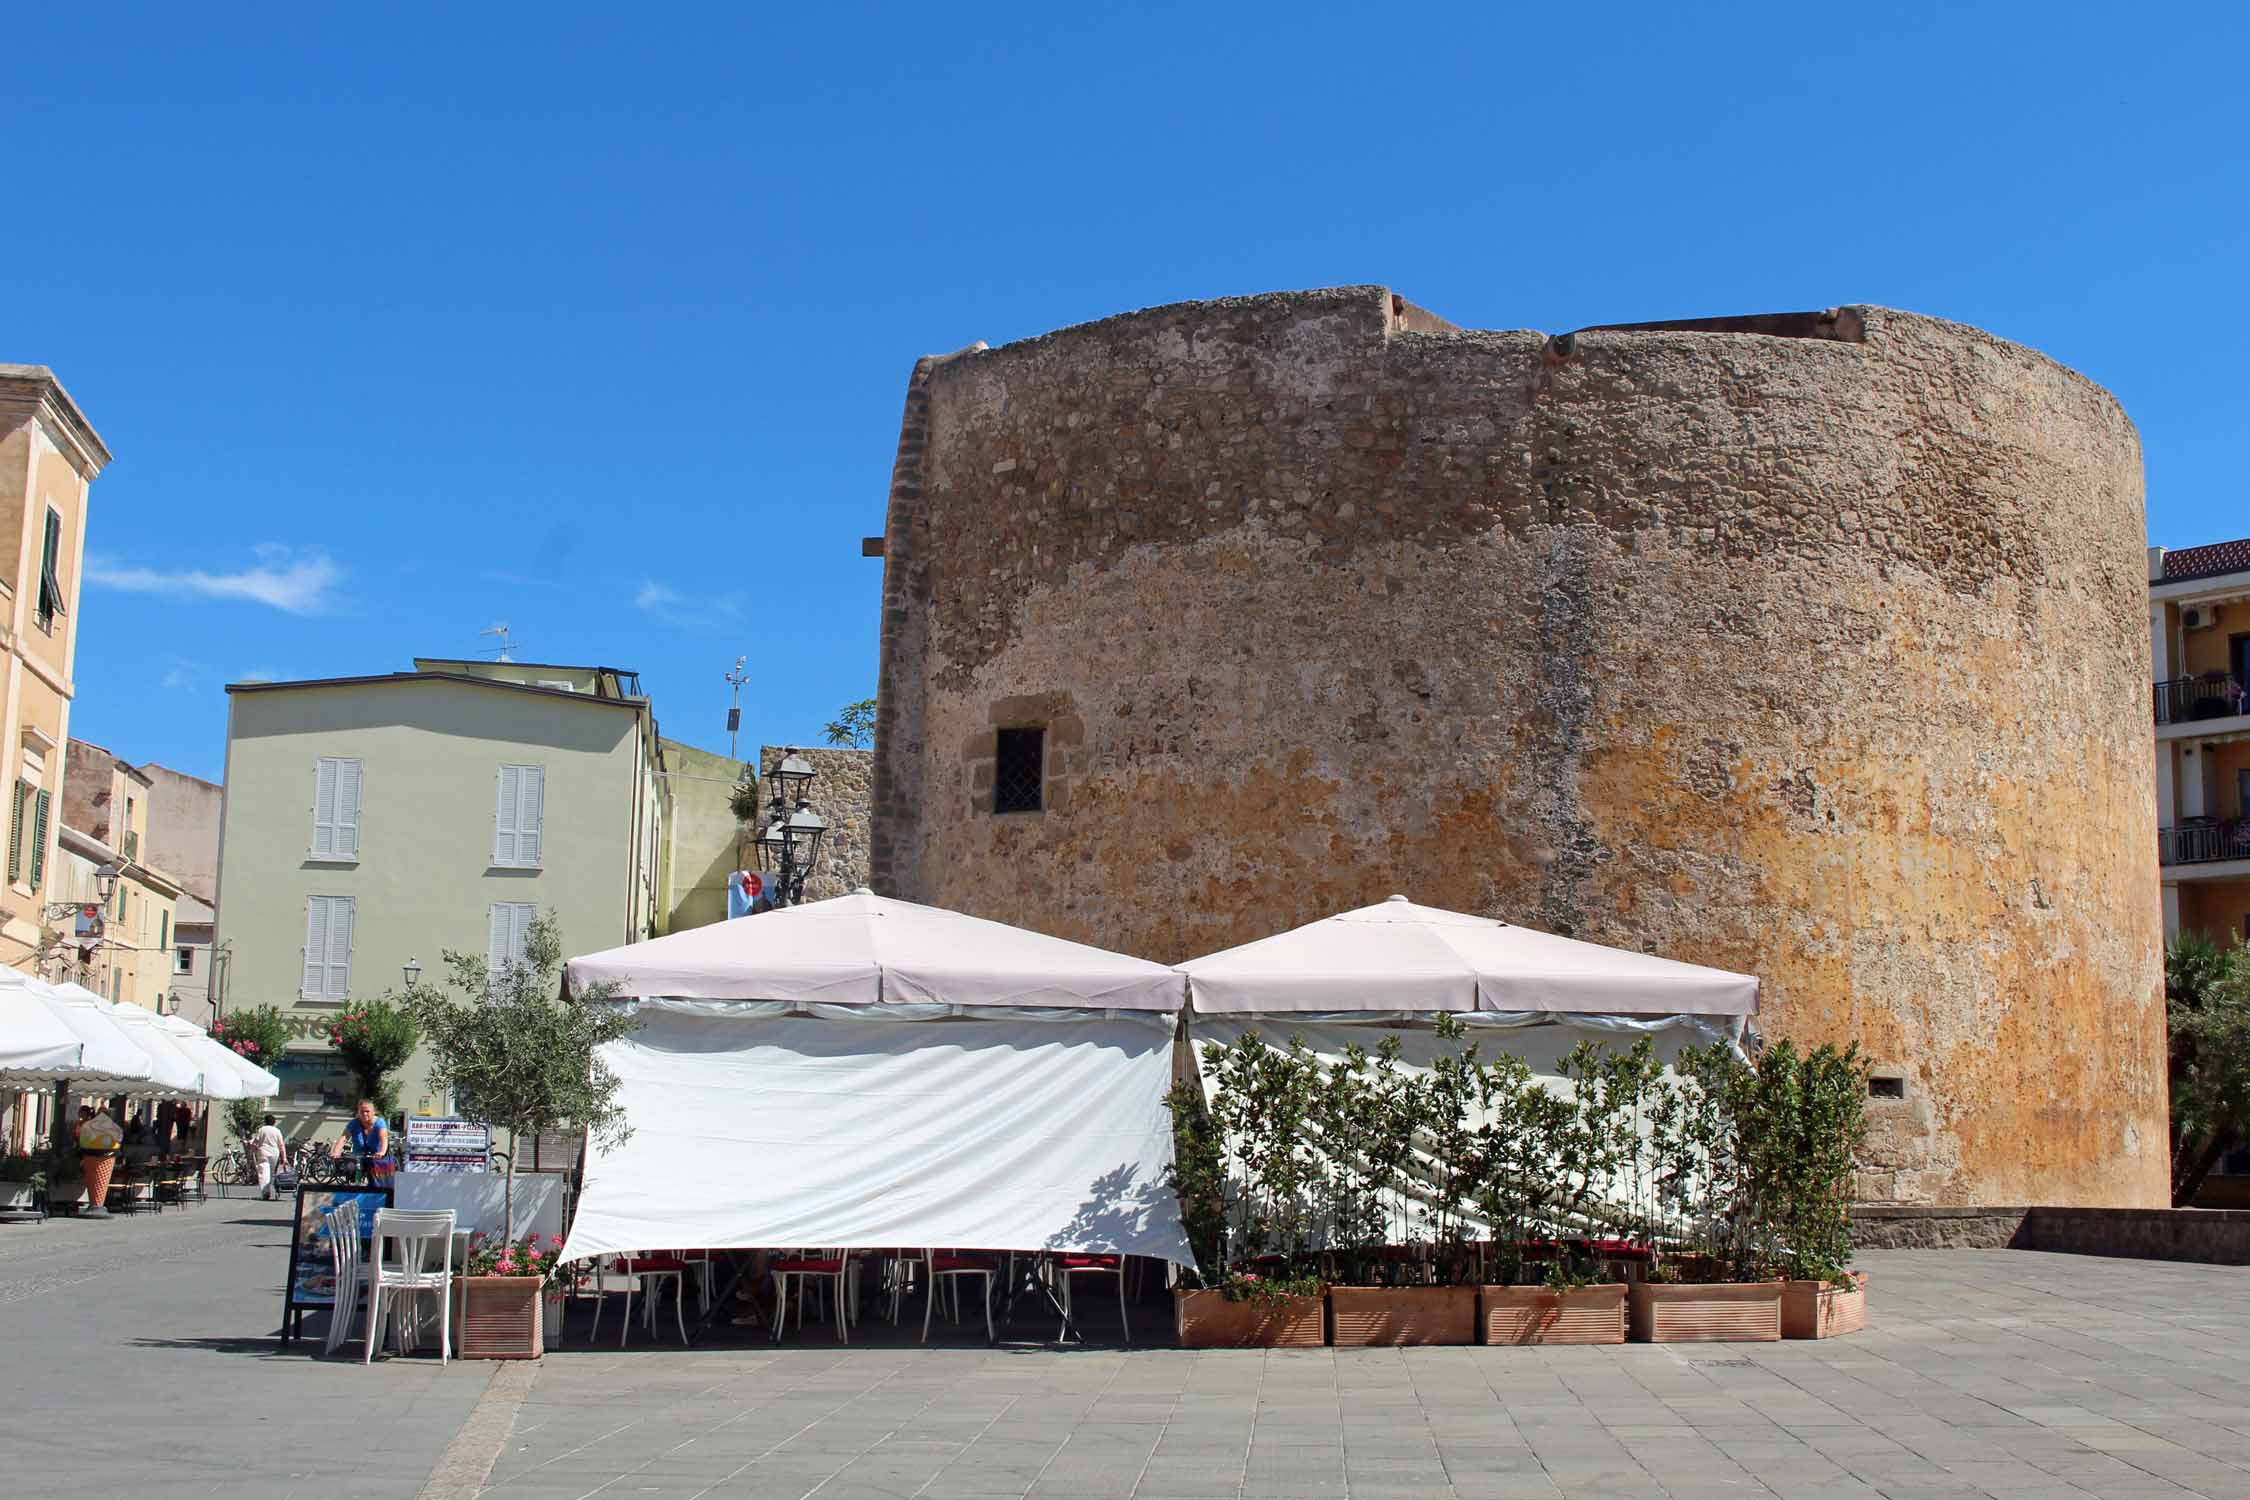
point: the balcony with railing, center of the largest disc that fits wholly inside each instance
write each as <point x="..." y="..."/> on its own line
<point x="2204" y="841"/>
<point x="2207" y="695"/>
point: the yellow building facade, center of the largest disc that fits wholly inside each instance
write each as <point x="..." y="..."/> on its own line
<point x="49" y="458"/>
<point x="370" y="822"/>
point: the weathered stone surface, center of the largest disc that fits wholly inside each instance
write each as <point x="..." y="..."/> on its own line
<point x="1889" y="1228"/>
<point x="1822" y="657"/>
<point x="2221" y="1236"/>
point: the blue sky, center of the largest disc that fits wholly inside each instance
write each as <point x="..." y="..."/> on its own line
<point x="404" y="321"/>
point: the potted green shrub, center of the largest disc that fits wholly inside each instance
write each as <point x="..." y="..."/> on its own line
<point x="518" y="1056"/>
<point x="1719" y="1162"/>
<point x="1552" y="1185"/>
<point x="1244" y="1180"/>
<point x="1823" y="1129"/>
<point x="1369" y="1115"/>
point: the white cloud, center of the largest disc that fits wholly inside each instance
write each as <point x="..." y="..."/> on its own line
<point x="668" y="605"/>
<point x="295" y="581"/>
<point x="182" y="676"/>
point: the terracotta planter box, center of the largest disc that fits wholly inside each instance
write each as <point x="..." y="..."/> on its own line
<point x="1816" y="1310"/>
<point x="1207" y="1320"/>
<point x="1541" y="1315"/>
<point x="1369" y="1315"/>
<point x="1718" y="1312"/>
<point x="498" y="1317"/>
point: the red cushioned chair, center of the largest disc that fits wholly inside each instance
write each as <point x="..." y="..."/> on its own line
<point x="1071" y="1265"/>
<point x="945" y="1264"/>
<point x="812" y="1267"/>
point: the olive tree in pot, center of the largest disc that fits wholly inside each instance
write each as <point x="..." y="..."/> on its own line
<point x="518" y="1057"/>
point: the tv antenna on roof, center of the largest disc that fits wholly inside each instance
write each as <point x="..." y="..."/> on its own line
<point x="505" y="646"/>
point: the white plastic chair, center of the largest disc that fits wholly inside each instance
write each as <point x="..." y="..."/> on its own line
<point x="351" y="1281"/>
<point x="644" y="1273"/>
<point x="424" y="1267"/>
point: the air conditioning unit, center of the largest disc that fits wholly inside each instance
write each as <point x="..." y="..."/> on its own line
<point x="2198" y="619"/>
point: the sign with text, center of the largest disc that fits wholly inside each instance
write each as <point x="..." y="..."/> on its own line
<point x="447" y="1145"/>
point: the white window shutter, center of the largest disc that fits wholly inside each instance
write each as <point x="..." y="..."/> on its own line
<point x="348" y="778"/>
<point x="504" y="816"/>
<point x="531" y="814"/>
<point x="316" y="947"/>
<point x="497" y="926"/>
<point x="324" y="808"/>
<point x="339" y="947"/>
<point x="520" y="937"/>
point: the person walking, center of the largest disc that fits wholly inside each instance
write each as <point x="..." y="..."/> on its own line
<point x="269" y="1150"/>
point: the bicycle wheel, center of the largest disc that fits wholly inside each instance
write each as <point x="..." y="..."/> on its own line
<point x="230" y="1170"/>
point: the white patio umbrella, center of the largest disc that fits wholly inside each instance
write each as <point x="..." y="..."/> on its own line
<point x="173" y="1074"/>
<point x="107" y="1061"/>
<point x="223" y="1067"/>
<point x="36" y="1048"/>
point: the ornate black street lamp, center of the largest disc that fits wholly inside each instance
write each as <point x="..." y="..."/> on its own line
<point x="791" y="841"/>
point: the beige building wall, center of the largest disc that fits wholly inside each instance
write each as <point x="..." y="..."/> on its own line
<point x="183" y="828"/>
<point x="430" y="745"/>
<point x="701" y="839"/>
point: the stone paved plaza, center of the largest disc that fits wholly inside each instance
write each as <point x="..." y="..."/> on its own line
<point x="1986" y="1373"/>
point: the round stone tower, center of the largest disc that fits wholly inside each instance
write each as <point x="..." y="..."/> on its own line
<point x="1811" y="645"/>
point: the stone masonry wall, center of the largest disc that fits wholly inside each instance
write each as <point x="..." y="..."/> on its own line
<point x="840" y="793"/>
<point x="1821" y="657"/>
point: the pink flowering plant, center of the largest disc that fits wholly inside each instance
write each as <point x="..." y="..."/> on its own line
<point x="258" y="1035"/>
<point x="490" y="1255"/>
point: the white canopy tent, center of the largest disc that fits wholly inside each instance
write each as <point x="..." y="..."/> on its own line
<point x="1392" y="968"/>
<point x="869" y="1073"/>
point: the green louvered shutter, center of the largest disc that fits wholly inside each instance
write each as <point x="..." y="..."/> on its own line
<point x="39" y="840"/>
<point x="15" y="833"/>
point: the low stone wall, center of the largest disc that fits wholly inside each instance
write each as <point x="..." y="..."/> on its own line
<point x="1898" y="1227"/>
<point x="2219" y="1236"/>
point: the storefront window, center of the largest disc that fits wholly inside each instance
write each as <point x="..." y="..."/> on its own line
<point x="312" y="1080"/>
